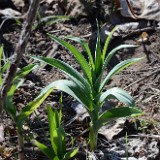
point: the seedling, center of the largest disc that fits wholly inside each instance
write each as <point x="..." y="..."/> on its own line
<point x="89" y="88"/>
<point x="57" y="137"/>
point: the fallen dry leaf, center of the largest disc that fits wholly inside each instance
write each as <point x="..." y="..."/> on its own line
<point x="144" y="9"/>
<point x="112" y="128"/>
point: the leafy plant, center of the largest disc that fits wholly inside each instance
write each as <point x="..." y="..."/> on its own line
<point x="89" y="88"/>
<point x="10" y="107"/>
<point x="20" y="117"/>
<point x="57" y="138"/>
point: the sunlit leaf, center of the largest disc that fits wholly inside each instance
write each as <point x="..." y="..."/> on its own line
<point x="46" y="150"/>
<point x="71" y="154"/>
<point x="119" y="67"/>
<point x="79" y="57"/>
<point x="119" y="94"/>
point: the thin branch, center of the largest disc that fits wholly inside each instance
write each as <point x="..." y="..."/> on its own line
<point x="19" y="51"/>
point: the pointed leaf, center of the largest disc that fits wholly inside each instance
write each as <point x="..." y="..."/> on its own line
<point x="25" y="70"/>
<point x="71" y="154"/>
<point x="79" y="57"/>
<point x="47" y="151"/>
<point x="9" y="104"/>
<point x="107" y="43"/>
<point x="120" y="66"/>
<point x="75" y="91"/>
<point x="98" y="56"/>
<point x="107" y="59"/>
<point x="87" y="49"/>
<point x="58" y="142"/>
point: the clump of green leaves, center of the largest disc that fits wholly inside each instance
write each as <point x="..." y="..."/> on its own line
<point x="57" y="137"/>
<point x="89" y="88"/>
<point x="19" y="117"/>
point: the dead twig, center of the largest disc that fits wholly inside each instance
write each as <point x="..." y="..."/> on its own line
<point x="146" y="136"/>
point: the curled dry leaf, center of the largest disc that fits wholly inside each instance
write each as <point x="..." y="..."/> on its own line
<point x="18" y="3"/>
<point x="10" y="13"/>
<point x="144" y="9"/>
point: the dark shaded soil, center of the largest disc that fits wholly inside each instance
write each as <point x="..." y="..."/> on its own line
<point x="141" y="80"/>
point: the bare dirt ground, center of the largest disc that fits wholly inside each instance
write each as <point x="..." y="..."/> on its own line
<point x="141" y="80"/>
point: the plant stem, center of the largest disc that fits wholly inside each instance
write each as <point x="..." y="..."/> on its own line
<point x="93" y="136"/>
<point x="20" y="144"/>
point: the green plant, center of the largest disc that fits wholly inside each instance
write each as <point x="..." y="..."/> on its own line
<point x="57" y="138"/>
<point x="10" y="107"/>
<point x="20" y="117"/>
<point x="88" y="88"/>
<point x="4" y="64"/>
<point x="49" y="20"/>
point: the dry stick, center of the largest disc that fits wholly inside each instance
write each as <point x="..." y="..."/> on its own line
<point x="18" y="54"/>
<point x="19" y="51"/>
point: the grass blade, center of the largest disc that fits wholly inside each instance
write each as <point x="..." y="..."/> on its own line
<point x="47" y="151"/>
<point x="107" y="43"/>
<point x="107" y="59"/>
<point x="98" y="57"/>
<point x="70" y="154"/>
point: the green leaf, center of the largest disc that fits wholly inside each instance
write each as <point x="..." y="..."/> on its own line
<point x="28" y="110"/>
<point x="107" y="43"/>
<point x="79" y="57"/>
<point x="120" y="66"/>
<point x="116" y="113"/>
<point x="57" y="133"/>
<point x="113" y="51"/>
<point x="58" y="142"/>
<point x="9" y="104"/>
<point x="75" y="91"/>
<point x="71" y="154"/>
<point x="98" y="56"/>
<point x="53" y="118"/>
<point x="120" y="112"/>
<point x="46" y="150"/>
<point x="17" y="82"/>
<point x="49" y="20"/>
<point x="5" y="66"/>
<point x="87" y="49"/>
<point x="25" y="70"/>
<point x="68" y="70"/>
<point x="119" y="94"/>
<point x="107" y="59"/>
